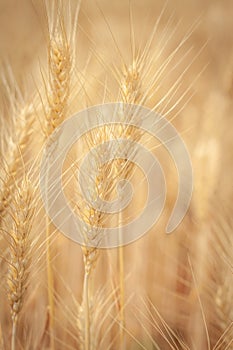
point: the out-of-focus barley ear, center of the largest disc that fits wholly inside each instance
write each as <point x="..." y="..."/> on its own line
<point x="211" y="317"/>
<point x="62" y="25"/>
<point x="152" y="319"/>
<point x="16" y="129"/>
<point x="17" y="230"/>
<point x="42" y="341"/>
<point x="218" y="286"/>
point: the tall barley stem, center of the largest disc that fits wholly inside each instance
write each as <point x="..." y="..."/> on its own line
<point x="50" y="280"/>
<point x="86" y="310"/>
<point x="122" y="285"/>
<point x="13" y="335"/>
<point x="85" y="316"/>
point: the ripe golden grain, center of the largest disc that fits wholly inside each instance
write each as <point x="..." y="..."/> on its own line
<point x="21" y="212"/>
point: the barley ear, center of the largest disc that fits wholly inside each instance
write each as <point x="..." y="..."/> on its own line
<point x="60" y="63"/>
<point x="21" y="213"/>
<point x="130" y="90"/>
<point x="91" y="229"/>
<point x="13" y="148"/>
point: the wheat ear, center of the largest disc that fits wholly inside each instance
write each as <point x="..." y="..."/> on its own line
<point x="130" y="90"/>
<point x="99" y="184"/>
<point x="218" y="287"/>
<point x="94" y="220"/>
<point x="13" y="144"/>
<point x="59" y="66"/>
<point x="20" y="212"/>
<point x="59" y="79"/>
<point x="58" y="93"/>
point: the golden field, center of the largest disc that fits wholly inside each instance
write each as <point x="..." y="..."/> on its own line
<point x="162" y="291"/>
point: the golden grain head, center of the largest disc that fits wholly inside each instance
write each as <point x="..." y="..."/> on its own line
<point x="21" y="212"/>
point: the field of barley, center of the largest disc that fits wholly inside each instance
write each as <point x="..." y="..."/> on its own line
<point x="66" y="290"/>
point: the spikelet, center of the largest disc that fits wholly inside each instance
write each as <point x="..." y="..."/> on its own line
<point x="21" y="211"/>
<point x="131" y="84"/>
<point x="59" y="80"/>
<point x="61" y="61"/>
<point x="131" y="93"/>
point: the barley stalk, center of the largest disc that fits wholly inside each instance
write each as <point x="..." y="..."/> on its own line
<point x="90" y="255"/>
